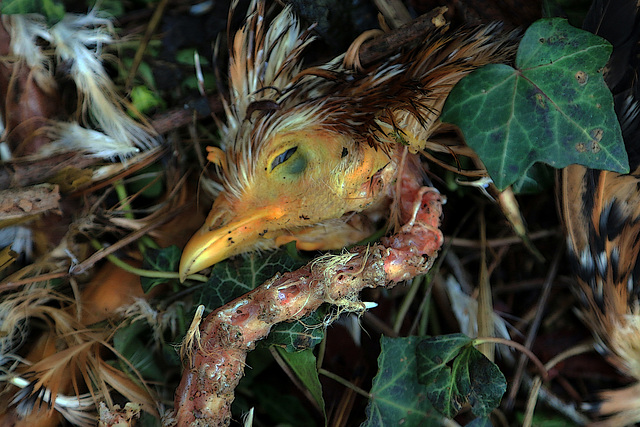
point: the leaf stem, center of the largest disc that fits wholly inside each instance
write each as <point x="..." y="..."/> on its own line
<point x="406" y="303"/>
<point x="124" y="199"/>
<point x="344" y="382"/>
<point x="517" y="346"/>
<point x="322" y="348"/>
<point x="147" y="273"/>
<point x="534" y="393"/>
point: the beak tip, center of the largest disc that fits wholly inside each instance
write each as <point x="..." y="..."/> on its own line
<point x="183" y="271"/>
<point x="190" y="261"/>
<point x="193" y="261"/>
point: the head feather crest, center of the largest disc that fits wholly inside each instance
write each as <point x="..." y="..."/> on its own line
<point x="264" y="60"/>
<point x="271" y="93"/>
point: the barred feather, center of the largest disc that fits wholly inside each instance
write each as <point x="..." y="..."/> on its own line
<point x="601" y="212"/>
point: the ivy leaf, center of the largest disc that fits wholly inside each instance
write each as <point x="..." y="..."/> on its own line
<point x="53" y="10"/>
<point x="129" y="341"/>
<point x="554" y="107"/>
<point x="480" y="381"/>
<point x="456" y="373"/>
<point x="147" y="182"/>
<point x="166" y="259"/>
<point x="303" y="364"/>
<point x="151" y="355"/>
<point x="535" y="180"/>
<point x="301" y="335"/>
<point x="144" y="99"/>
<point x="433" y="358"/>
<point x="235" y="277"/>
<point x="396" y="396"/>
<point x="545" y="418"/>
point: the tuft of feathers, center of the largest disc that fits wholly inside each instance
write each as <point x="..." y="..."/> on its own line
<point x="77" y="41"/>
<point x="73" y="354"/>
<point x="271" y="92"/>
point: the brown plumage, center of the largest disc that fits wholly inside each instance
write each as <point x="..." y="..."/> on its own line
<point x="601" y="211"/>
<point x="310" y="154"/>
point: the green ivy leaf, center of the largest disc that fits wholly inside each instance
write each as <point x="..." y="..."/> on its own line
<point x="554" y="107"/>
<point x="456" y="373"/>
<point x="53" y="10"/>
<point x="433" y="357"/>
<point x="545" y="418"/>
<point x="396" y="396"/>
<point x="235" y="277"/>
<point x="303" y="364"/>
<point x="149" y="182"/>
<point x="166" y="259"/>
<point x="480" y="380"/>
<point x="301" y="335"/>
<point x="187" y="57"/>
<point x="535" y="180"/>
<point x="113" y="8"/>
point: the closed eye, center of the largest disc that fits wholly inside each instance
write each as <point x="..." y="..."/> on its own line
<point x="283" y="157"/>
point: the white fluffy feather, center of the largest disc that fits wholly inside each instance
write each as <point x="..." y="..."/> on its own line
<point x="77" y="41"/>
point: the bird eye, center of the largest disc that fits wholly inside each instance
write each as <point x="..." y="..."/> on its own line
<point x="283" y="157"/>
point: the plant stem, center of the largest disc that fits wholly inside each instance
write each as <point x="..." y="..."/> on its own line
<point x="121" y="191"/>
<point x="344" y="382"/>
<point x="145" y="241"/>
<point x="406" y="303"/>
<point x="147" y="273"/>
<point x="517" y="346"/>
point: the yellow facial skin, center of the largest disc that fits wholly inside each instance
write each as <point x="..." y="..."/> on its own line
<point x="301" y="179"/>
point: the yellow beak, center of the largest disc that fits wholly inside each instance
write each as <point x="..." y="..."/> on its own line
<point x="214" y="243"/>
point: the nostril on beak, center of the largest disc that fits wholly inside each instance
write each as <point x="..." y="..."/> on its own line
<point x="217" y="220"/>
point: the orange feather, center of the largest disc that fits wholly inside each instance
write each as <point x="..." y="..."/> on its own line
<point x="601" y="213"/>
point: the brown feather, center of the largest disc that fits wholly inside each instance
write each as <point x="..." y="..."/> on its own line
<point x="601" y="214"/>
<point x="401" y="96"/>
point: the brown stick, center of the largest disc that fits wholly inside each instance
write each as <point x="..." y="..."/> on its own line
<point x="17" y="203"/>
<point x="33" y="170"/>
<point x="387" y="44"/>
